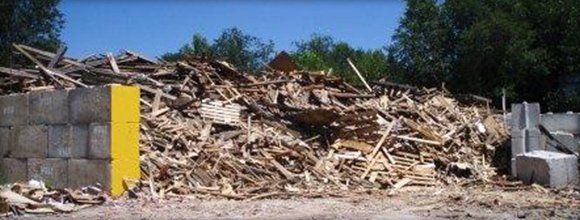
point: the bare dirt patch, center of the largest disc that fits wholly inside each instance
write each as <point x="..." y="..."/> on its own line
<point x="409" y="203"/>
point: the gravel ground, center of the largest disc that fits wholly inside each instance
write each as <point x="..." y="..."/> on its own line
<point x="408" y="203"/>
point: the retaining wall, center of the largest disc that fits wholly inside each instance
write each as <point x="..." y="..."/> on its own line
<point x="71" y="138"/>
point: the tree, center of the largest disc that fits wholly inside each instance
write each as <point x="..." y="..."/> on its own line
<point x="420" y="46"/>
<point x="244" y="51"/>
<point x="318" y="44"/>
<point x="30" y="22"/>
<point x="322" y="52"/>
<point x="526" y="47"/>
<point x="199" y="47"/>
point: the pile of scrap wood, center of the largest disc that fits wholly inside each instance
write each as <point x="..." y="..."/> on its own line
<point x="35" y="198"/>
<point x="208" y="128"/>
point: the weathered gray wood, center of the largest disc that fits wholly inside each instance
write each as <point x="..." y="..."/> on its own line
<point x="58" y="56"/>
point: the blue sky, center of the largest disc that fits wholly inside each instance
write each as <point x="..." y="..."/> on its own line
<point x="153" y="27"/>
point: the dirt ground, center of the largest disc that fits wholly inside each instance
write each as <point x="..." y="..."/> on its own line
<point x="408" y="203"/>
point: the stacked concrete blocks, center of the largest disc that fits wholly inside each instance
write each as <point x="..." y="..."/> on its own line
<point x="524" y="129"/>
<point x="533" y="161"/>
<point x="71" y="138"/>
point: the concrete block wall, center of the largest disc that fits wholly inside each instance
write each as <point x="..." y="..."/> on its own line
<point x="71" y="138"/>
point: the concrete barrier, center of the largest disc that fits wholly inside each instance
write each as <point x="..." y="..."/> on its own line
<point x="565" y="122"/>
<point x="550" y="169"/>
<point x="71" y="138"/>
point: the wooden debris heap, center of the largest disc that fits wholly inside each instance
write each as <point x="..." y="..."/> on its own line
<point x="208" y="128"/>
<point x="35" y="198"/>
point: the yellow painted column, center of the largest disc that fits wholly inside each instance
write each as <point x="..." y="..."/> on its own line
<point x="125" y="117"/>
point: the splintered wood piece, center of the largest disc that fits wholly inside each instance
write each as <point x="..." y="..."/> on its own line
<point x="113" y="63"/>
<point x="359" y="75"/>
<point x="401" y="183"/>
<point x="419" y="140"/>
<point x="59" y="54"/>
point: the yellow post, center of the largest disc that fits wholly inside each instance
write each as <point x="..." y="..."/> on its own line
<point x="125" y="116"/>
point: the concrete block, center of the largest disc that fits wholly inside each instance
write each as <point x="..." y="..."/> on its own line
<point x="525" y="115"/>
<point x="89" y="105"/>
<point x="12" y="170"/>
<point x="84" y="172"/>
<point x="532" y="111"/>
<point x="5" y="141"/>
<point x="52" y="171"/>
<point x="533" y="139"/>
<point x="566" y="139"/>
<point x="125" y="104"/>
<point x="513" y="168"/>
<point x="48" y="107"/>
<point x="518" y="142"/>
<point x="518" y="121"/>
<point x="577" y="140"/>
<point x="562" y="122"/>
<point x="14" y="110"/>
<point x="29" y="142"/>
<point x="99" y="141"/>
<point x="60" y="142"/>
<point x="80" y="141"/>
<point x="547" y="168"/>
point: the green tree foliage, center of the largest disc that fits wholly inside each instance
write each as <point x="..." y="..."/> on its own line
<point x="420" y="44"/>
<point x="482" y="47"/>
<point x="242" y="50"/>
<point x="323" y="53"/>
<point x="31" y="22"/>
<point x="199" y="46"/>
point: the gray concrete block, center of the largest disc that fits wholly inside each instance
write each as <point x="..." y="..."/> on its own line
<point x="513" y="168"/>
<point x="547" y="168"/>
<point x="577" y="140"/>
<point x="5" y="141"/>
<point x="48" y="107"/>
<point x="14" y="110"/>
<point x="562" y="122"/>
<point x="80" y="140"/>
<point x="518" y="142"/>
<point x="52" y="171"/>
<point x="518" y="121"/>
<point x="83" y="172"/>
<point x="29" y="142"/>
<point x="12" y="170"/>
<point x="60" y="142"/>
<point x="532" y="111"/>
<point x="99" y="141"/>
<point x="88" y="105"/>
<point x="533" y="139"/>
<point x="566" y="139"/>
<point x="525" y="115"/>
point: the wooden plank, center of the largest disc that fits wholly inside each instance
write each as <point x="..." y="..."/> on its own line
<point x="359" y="75"/>
<point x="49" y="72"/>
<point x="57" y="57"/>
<point x="18" y="73"/>
<point x="113" y="63"/>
